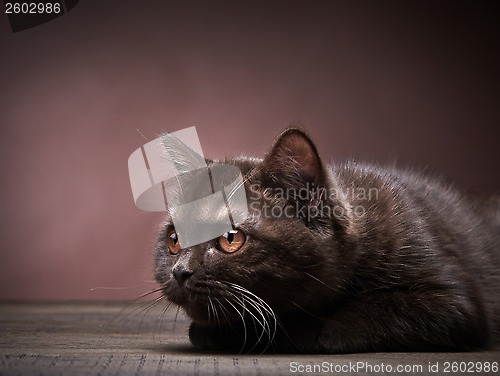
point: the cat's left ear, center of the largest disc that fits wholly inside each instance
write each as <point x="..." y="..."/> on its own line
<point x="293" y="163"/>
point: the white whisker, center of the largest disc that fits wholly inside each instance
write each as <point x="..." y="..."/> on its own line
<point x="243" y="322"/>
<point x="260" y="312"/>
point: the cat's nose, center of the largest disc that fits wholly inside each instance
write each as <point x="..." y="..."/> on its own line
<point x="181" y="273"/>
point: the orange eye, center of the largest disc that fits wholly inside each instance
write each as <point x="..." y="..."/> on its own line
<point x="173" y="242"/>
<point x="231" y="241"/>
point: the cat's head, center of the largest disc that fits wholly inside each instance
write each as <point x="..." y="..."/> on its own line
<point x="283" y="252"/>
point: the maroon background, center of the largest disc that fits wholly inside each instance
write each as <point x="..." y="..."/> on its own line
<point x="417" y="82"/>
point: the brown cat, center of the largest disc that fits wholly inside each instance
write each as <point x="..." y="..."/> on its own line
<point x="346" y="258"/>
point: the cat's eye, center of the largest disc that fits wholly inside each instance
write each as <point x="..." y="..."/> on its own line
<point x="173" y="242"/>
<point x="231" y="241"/>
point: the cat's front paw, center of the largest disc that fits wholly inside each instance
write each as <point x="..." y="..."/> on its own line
<point x="199" y="337"/>
<point x="220" y="338"/>
<point x="205" y="337"/>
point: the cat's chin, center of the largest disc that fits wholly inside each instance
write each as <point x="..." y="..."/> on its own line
<point x="198" y="315"/>
<point x="197" y="312"/>
<point x="177" y="297"/>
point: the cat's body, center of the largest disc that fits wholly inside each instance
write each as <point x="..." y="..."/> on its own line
<point x="347" y="258"/>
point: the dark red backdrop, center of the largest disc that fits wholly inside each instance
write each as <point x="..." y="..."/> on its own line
<point x="415" y="82"/>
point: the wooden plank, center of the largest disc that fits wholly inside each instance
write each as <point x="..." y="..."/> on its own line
<point x="99" y="338"/>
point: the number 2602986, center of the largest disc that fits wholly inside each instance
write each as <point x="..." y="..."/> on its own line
<point x="32" y="8"/>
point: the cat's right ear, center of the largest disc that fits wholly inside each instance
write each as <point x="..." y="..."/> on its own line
<point x="292" y="170"/>
<point x="293" y="162"/>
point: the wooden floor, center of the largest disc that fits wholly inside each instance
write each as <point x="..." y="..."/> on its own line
<point x="82" y="338"/>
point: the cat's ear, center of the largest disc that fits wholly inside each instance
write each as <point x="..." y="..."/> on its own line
<point x="293" y="163"/>
<point x="292" y="170"/>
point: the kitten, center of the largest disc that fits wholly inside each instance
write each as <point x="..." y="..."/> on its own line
<point x="337" y="259"/>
